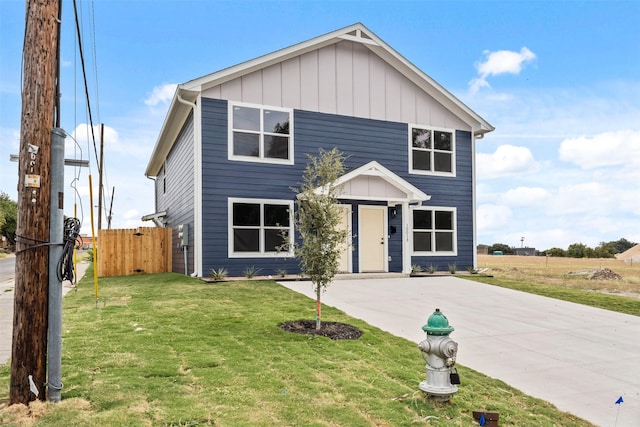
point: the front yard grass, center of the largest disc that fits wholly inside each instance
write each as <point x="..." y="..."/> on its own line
<point x="169" y="350"/>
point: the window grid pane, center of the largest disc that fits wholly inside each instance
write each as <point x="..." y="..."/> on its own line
<point x="259" y="227"/>
<point x="444" y="242"/>
<point x="432" y="150"/>
<point x="433" y="230"/>
<point x="246" y="118"/>
<point x="246" y="240"/>
<point x="422" y="241"/>
<point x="261" y="133"/>
<point x="246" y="144"/>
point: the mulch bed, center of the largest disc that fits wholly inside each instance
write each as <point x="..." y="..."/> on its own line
<point x="333" y="330"/>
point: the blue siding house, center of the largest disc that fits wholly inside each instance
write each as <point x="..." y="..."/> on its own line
<point x="235" y="142"/>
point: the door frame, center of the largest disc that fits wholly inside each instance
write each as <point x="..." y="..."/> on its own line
<point x="385" y="221"/>
<point x="349" y="241"/>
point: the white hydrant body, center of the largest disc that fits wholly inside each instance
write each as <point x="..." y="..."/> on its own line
<point x="441" y="353"/>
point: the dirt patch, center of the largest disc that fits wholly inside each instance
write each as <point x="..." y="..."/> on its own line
<point x="333" y="330"/>
<point x="597" y="274"/>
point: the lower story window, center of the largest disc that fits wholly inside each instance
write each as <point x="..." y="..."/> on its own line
<point x="259" y="227"/>
<point x="434" y="231"/>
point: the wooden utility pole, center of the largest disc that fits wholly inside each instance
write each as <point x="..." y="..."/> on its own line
<point x="29" y="350"/>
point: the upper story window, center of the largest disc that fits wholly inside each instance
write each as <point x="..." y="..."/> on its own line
<point x="258" y="227"/>
<point x="260" y="134"/>
<point x="434" y="231"/>
<point x="432" y="151"/>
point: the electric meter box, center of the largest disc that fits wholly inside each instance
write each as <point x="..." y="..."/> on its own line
<point x="183" y="234"/>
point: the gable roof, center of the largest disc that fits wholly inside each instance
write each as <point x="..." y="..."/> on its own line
<point x="373" y="181"/>
<point x="631" y="254"/>
<point x="357" y="33"/>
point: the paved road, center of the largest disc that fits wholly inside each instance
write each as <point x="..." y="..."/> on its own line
<point x="6" y="304"/>
<point x="7" y="268"/>
<point x="7" y="273"/>
<point x="579" y="358"/>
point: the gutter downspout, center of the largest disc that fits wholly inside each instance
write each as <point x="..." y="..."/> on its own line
<point x="155" y="200"/>
<point x="197" y="205"/>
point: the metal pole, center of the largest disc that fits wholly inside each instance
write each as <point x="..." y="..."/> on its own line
<point x="54" y="338"/>
<point x="186" y="267"/>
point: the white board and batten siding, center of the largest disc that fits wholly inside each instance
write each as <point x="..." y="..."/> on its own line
<point x="344" y="78"/>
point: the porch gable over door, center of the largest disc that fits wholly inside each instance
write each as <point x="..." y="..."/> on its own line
<point x="374" y="182"/>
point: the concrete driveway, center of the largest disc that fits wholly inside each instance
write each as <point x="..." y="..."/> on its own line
<point x="579" y="358"/>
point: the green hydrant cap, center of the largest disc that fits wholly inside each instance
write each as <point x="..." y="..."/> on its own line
<point x="438" y="324"/>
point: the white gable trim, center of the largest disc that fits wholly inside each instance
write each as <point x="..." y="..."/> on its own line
<point x="360" y="34"/>
<point x="410" y="193"/>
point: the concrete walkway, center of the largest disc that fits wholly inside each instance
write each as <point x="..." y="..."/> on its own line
<point x="6" y="311"/>
<point x="579" y="358"/>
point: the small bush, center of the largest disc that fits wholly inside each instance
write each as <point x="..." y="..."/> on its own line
<point x="415" y="268"/>
<point x="218" y="274"/>
<point x="250" y="271"/>
<point x="431" y="269"/>
<point x="452" y="268"/>
<point x="281" y="272"/>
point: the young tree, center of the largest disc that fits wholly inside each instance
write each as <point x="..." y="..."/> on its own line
<point x="317" y="219"/>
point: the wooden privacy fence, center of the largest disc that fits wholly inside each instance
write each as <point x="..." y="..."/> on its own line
<point x="124" y="252"/>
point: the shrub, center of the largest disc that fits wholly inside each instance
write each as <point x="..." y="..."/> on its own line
<point x="251" y="271"/>
<point x="218" y="274"/>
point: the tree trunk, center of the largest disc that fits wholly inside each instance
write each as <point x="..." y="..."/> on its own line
<point x="318" y="307"/>
<point x="29" y="350"/>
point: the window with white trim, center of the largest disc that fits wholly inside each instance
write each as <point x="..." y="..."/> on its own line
<point x="434" y="231"/>
<point x="432" y="151"/>
<point x="257" y="227"/>
<point x="260" y="134"/>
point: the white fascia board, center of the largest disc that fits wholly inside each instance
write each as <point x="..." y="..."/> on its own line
<point x="173" y="122"/>
<point x="227" y="74"/>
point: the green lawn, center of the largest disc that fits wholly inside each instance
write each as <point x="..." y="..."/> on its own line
<point x="621" y="304"/>
<point x="170" y="350"/>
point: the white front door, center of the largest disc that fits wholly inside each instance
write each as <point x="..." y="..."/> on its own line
<point x="372" y="241"/>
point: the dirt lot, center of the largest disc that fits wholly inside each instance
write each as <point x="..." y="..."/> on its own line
<point x="598" y="274"/>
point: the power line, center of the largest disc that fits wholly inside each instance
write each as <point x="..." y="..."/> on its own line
<point x="84" y="75"/>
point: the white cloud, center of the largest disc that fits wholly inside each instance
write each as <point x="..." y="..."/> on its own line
<point x="492" y="217"/>
<point x="605" y="149"/>
<point x="162" y="94"/>
<point x="500" y="62"/>
<point x="525" y="197"/>
<point x="82" y="140"/>
<point x="131" y="214"/>
<point x="505" y="161"/>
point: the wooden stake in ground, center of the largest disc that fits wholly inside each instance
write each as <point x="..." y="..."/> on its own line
<point x="29" y="350"/>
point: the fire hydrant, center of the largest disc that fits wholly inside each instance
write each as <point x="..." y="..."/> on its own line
<point x="440" y="353"/>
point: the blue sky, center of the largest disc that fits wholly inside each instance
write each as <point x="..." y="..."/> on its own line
<point x="560" y="81"/>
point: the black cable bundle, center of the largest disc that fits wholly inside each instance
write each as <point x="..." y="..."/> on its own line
<point x="65" y="264"/>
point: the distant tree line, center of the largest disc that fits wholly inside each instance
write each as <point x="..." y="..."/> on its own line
<point x="8" y="217"/>
<point x="575" y="250"/>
